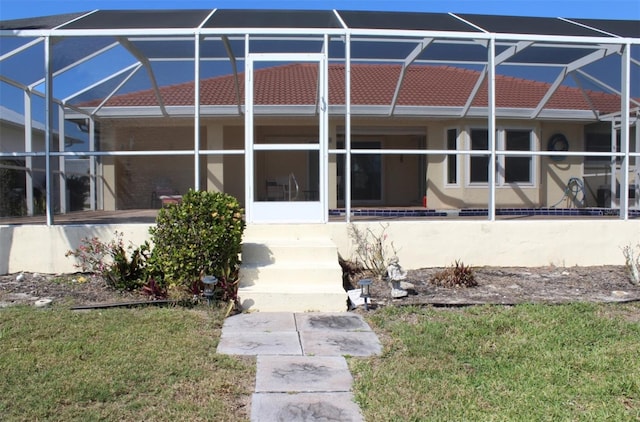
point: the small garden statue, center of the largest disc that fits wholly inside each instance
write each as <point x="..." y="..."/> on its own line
<point x="395" y="274"/>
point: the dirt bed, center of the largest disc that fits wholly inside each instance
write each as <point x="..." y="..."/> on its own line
<point x="513" y="285"/>
<point x="63" y="289"/>
<point x="497" y="285"/>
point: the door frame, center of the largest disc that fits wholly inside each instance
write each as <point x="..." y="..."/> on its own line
<point x="291" y="211"/>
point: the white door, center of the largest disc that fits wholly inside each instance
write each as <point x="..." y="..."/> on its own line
<point x="286" y="164"/>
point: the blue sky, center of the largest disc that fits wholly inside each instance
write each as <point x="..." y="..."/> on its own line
<point x="611" y="9"/>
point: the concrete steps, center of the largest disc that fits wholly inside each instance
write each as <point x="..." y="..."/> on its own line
<point x="291" y="268"/>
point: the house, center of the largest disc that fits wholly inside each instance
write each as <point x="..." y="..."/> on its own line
<point x="316" y="119"/>
<point x="396" y="173"/>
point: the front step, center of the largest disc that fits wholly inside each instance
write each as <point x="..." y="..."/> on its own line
<point x="291" y="268"/>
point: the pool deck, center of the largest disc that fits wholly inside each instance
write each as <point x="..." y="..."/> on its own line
<point x="148" y="216"/>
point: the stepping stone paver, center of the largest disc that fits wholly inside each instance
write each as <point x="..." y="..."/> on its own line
<point x="302" y="374"/>
<point x="282" y="374"/>
<point x="261" y="321"/>
<point x="259" y="343"/>
<point x="308" y="407"/>
<point x="330" y="321"/>
<point x="331" y="343"/>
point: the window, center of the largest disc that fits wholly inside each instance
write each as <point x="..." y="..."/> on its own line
<point x="513" y="169"/>
<point x="479" y="165"/>
<point x="600" y="142"/>
<point x="452" y="159"/>
<point x="366" y="172"/>
<point x="518" y="169"/>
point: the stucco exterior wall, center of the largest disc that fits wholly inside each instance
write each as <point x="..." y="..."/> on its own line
<point x="420" y="244"/>
<point x="234" y="164"/>
<point x="129" y="181"/>
<point x="549" y="177"/>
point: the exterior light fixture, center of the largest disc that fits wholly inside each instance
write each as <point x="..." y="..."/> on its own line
<point x="365" y="291"/>
<point x="209" y="282"/>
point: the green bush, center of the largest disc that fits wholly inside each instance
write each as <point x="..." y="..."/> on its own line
<point x="120" y="267"/>
<point x="200" y="235"/>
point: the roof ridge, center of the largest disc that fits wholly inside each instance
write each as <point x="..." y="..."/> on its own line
<point x="373" y="84"/>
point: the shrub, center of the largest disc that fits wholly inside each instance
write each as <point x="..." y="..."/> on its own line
<point x="372" y="251"/>
<point x="122" y="268"/>
<point x="632" y="261"/>
<point x="200" y="235"/>
<point x="457" y="275"/>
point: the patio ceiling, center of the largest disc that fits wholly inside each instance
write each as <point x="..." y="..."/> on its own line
<point x="147" y="49"/>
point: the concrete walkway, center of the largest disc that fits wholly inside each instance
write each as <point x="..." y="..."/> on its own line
<point x="302" y="374"/>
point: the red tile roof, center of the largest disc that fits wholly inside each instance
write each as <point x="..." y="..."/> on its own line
<point x="374" y="84"/>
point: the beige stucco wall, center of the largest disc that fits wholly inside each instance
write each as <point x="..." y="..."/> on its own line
<point x="550" y="177"/>
<point x="234" y="164"/>
<point x="402" y="186"/>
<point x="18" y="243"/>
<point x="438" y="243"/>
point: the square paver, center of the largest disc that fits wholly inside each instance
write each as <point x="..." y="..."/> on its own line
<point x="338" y="321"/>
<point x="282" y="407"/>
<point x="260" y="321"/>
<point x="281" y="374"/>
<point x="259" y="343"/>
<point x="337" y="343"/>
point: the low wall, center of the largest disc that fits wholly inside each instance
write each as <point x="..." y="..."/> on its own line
<point x="419" y="243"/>
<point x="41" y="249"/>
<point x="528" y="243"/>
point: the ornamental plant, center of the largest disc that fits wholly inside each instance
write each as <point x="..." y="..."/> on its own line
<point x="373" y="251"/>
<point x="201" y="235"/>
<point x="121" y="267"/>
<point x="632" y="263"/>
<point x="457" y="276"/>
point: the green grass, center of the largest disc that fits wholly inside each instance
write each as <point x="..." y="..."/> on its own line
<point x="119" y="364"/>
<point x="523" y="363"/>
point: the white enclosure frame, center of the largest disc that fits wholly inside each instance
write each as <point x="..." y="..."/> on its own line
<point x="286" y="211"/>
<point x="605" y="45"/>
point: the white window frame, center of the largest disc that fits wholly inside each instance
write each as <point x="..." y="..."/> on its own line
<point x="455" y="155"/>
<point x="467" y="167"/>
<point x="500" y="158"/>
<point x="501" y="139"/>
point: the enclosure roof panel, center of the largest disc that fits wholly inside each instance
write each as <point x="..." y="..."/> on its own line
<point x="140" y="19"/>
<point x="42" y="22"/>
<point x="621" y="28"/>
<point x="374" y="84"/>
<point x="318" y="19"/>
<point x="529" y="25"/>
<point x="229" y="18"/>
<point x="404" y="20"/>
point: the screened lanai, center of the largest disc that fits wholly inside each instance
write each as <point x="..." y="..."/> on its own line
<point x="311" y="115"/>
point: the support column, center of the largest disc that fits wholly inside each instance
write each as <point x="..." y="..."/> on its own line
<point x="62" y="168"/>
<point x="28" y="147"/>
<point x="215" y="163"/>
<point x="624" y="131"/>
<point x="347" y="129"/>
<point x="613" y="183"/>
<point x="332" y="169"/>
<point x="196" y="112"/>
<point x="92" y="164"/>
<point x="491" y="124"/>
<point x="48" y="117"/>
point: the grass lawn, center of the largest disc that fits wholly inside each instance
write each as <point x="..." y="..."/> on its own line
<point x="119" y="364"/>
<point x="523" y="363"/>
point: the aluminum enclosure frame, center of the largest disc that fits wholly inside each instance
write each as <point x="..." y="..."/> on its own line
<point x="502" y="48"/>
